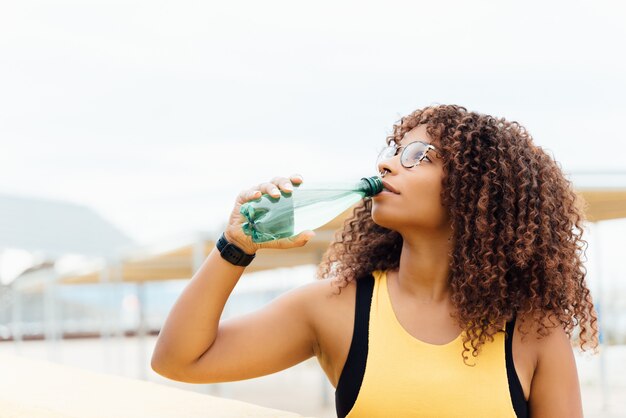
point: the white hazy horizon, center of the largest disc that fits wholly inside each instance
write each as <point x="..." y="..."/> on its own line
<point x="157" y="114"/>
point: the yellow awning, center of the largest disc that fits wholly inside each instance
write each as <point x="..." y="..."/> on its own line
<point x="604" y="204"/>
<point x="178" y="263"/>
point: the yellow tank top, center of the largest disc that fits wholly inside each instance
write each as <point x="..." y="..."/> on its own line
<point x="406" y="377"/>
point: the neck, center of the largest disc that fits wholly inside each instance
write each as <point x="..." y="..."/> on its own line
<point x="425" y="265"/>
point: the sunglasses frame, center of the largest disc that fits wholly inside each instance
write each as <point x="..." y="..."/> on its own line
<point x="401" y="150"/>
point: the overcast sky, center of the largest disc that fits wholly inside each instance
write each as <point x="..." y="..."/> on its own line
<point x="156" y="114"/>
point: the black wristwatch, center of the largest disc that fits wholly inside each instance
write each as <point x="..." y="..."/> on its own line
<point x="232" y="253"/>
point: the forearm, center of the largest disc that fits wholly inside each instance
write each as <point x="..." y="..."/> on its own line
<point x="191" y="326"/>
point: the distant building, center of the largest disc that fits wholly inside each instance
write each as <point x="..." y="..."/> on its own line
<point x="48" y="230"/>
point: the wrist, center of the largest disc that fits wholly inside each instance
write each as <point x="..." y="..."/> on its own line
<point x="232" y="253"/>
<point x="245" y="247"/>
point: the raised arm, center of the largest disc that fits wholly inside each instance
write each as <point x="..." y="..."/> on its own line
<point x="193" y="346"/>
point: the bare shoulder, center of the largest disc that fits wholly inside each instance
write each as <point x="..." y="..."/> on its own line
<point x="322" y="301"/>
<point x="324" y="291"/>
<point x="326" y="299"/>
<point x="555" y="388"/>
<point x="331" y="312"/>
<point x="321" y="291"/>
<point x="540" y="343"/>
<point x="551" y="337"/>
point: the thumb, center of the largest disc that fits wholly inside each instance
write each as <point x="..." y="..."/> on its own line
<point x="302" y="238"/>
<point x="290" y="242"/>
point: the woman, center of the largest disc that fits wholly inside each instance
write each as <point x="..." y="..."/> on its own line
<point x="477" y="235"/>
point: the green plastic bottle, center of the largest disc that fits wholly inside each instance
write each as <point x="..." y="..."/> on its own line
<point x="306" y="208"/>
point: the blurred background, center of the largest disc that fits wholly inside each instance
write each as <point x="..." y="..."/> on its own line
<point x="127" y="129"/>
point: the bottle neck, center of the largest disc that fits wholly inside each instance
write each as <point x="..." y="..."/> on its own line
<point x="371" y="186"/>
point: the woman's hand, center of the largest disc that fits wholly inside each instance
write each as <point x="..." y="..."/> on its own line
<point x="234" y="232"/>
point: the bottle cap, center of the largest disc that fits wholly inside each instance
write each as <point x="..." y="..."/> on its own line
<point x="374" y="185"/>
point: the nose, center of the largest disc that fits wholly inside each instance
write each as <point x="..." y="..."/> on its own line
<point x="388" y="165"/>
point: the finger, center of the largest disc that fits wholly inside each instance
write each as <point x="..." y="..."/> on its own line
<point x="270" y="189"/>
<point x="248" y="194"/>
<point x="254" y="194"/>
<point x="296" y="178"/>
<point x="290" y="242"/>
<point x="283" y="184"/>
<point x="301" y="239"/>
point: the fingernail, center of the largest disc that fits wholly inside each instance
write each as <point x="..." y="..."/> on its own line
<point x="287" y="186"/>
<point x="275" y="191"/>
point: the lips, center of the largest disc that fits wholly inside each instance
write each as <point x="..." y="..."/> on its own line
<point x="389" y="187"/>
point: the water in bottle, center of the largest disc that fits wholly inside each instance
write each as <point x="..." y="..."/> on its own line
<point x="306" y="208"/>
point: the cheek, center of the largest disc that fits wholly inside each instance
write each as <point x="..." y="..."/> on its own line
<point x="420" y="207"/>
<point x="433" y="202"/>
<point x="425" y="191"/>
<point x="426" y="206"/>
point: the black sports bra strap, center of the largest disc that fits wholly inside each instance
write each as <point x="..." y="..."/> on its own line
<point x="520" y="405"/>
<point x="354" y="369"/>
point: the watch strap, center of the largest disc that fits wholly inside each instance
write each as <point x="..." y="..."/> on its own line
<point x="233" y="254"/>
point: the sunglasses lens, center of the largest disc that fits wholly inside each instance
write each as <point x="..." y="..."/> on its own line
<point x="413" y="154"/>
<point x="410" y="157"/>
<point x="385" y="154"/>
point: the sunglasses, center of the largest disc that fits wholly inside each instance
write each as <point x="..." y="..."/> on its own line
<point x="412" y="154"/>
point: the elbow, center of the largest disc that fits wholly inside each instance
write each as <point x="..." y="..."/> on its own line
<point x="167" y="371"/>
<point x="187" y="374"/>
<point x="158" y="365"/>
<point x="162" y="365"/>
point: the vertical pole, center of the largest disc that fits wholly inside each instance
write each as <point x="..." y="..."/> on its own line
<point x="600" y="306"/>
<point x="16" y="320"/>
<point x="116" y="321"/>
<point x="105" y="332"/>
<point x="50" y="317"/>
<point x="141" y="331"/>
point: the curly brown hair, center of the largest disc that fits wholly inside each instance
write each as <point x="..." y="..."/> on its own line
<point x="516" y="224"/>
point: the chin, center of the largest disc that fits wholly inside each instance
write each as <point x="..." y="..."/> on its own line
<point x="386" y="220"/>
